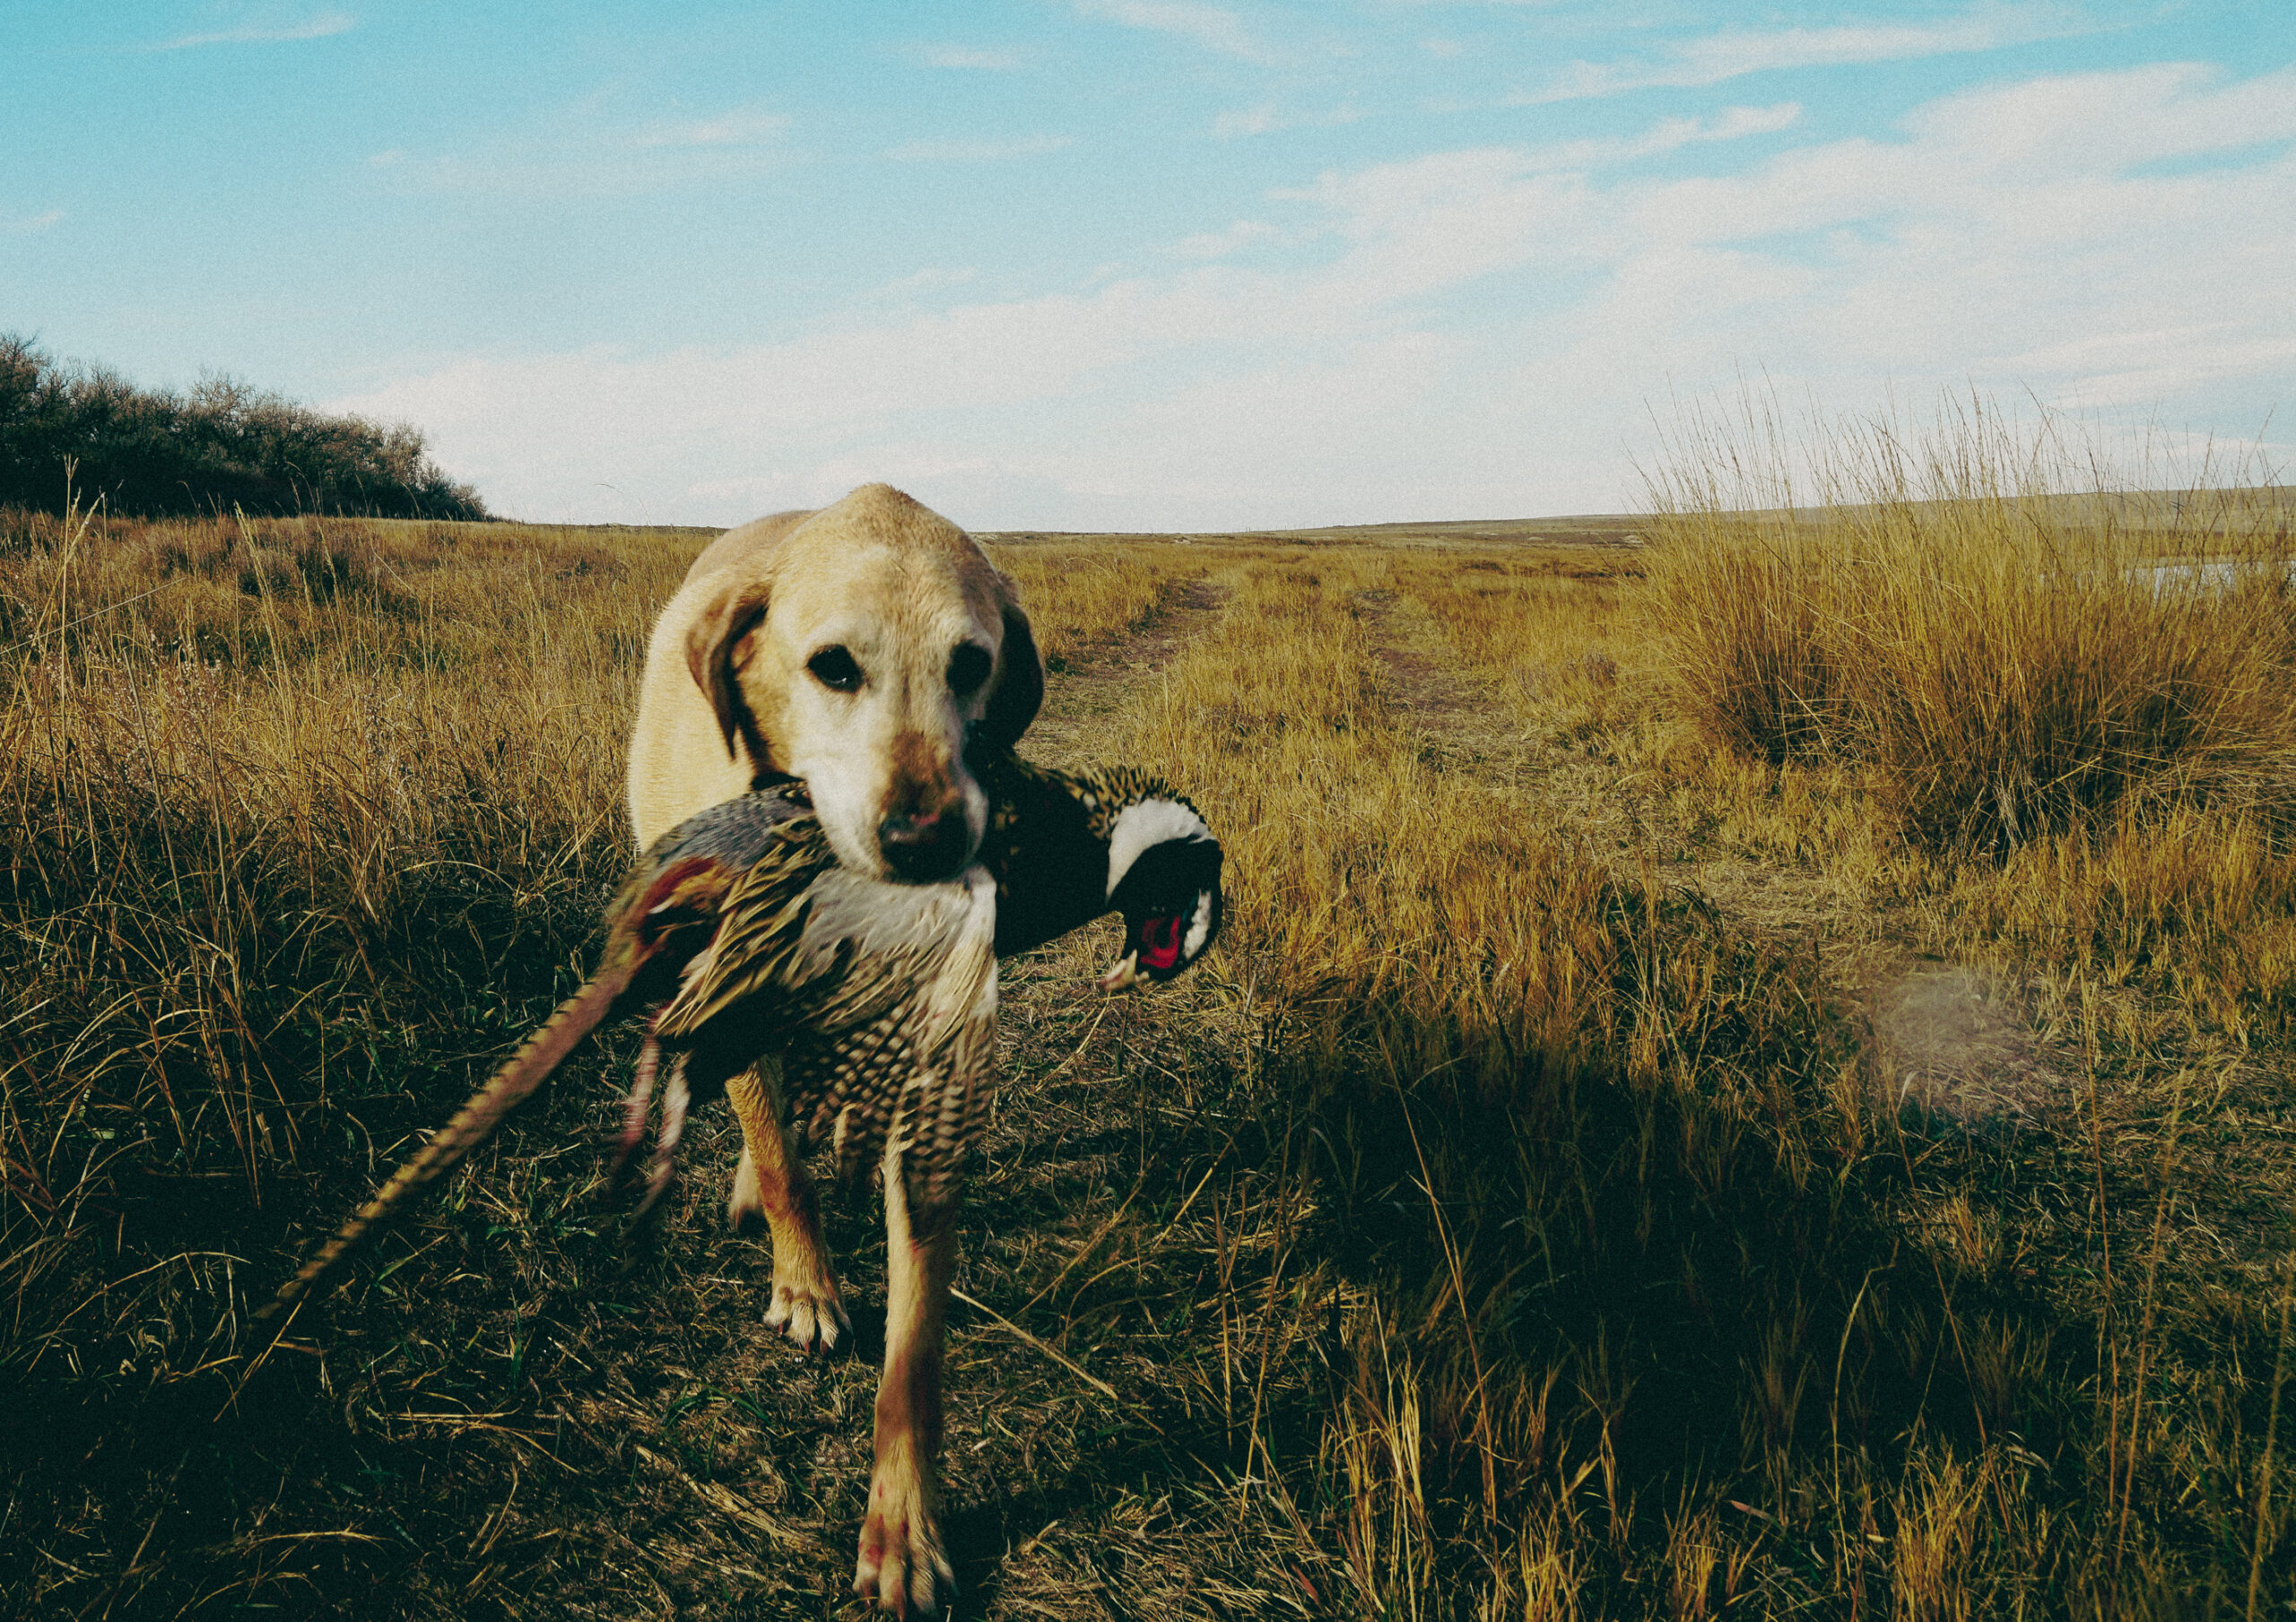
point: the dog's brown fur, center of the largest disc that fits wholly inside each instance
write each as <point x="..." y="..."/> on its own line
<point x="728" y="693"/>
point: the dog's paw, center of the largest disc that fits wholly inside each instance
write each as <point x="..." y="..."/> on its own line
<point x="809" y="1312"/>
<point x="902" y="1566"/>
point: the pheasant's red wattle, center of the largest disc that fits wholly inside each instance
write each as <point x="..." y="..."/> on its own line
<point x="1159" y="942"/>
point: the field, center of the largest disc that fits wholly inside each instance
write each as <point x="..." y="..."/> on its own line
<point x="1723" y="1094"/>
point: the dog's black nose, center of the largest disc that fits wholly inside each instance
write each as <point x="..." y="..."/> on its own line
<point x="923" y="849"/>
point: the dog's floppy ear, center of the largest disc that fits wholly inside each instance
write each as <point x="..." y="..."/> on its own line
<point x="710" y="643"/>
<point x="1019" y="691"/>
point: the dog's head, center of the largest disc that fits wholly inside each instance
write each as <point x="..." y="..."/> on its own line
<point x="879" y="638"/>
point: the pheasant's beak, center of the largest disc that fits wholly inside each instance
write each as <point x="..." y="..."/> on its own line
<point x="1160" y="945"/>
<point x="1124" y="973"/>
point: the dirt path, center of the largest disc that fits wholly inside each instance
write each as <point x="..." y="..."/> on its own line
<point x="1461" y="729"/>
<point x="1080" y="700"/>
<point x="1943" y="1038"/>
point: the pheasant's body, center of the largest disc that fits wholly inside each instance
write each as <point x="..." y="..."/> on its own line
<point x="748" y="939"/>
<point x="881" y="998"/>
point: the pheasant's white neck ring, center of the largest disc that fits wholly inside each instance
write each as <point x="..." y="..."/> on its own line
<point x="1199" y="927"/>
<point x="1145" y="825"/>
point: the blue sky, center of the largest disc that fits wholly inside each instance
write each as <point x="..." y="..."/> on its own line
<point x="1113" y="263"/>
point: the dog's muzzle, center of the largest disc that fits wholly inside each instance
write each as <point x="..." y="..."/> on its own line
<point x="925" y="848"/>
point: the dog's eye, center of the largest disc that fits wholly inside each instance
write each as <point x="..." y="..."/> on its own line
<point x="969" y="667"/>
<point x="834" y="669"/>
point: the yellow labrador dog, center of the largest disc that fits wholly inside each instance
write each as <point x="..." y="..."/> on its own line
<point x="855" y="648"/>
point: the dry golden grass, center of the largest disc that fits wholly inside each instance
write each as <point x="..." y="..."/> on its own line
<point x="1504" y="1222"/>
<point x="235" y="804"/>
<point x="2006" y="660"/>
<point x="1584" y="1151"/>
<point x="1086" y="598"/>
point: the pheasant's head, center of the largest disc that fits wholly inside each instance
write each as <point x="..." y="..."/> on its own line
<point x="1164" y="878"/>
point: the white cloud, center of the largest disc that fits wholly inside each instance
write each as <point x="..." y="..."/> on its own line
<point x="1219" y="244"/>
<point x="989" y="58"/>
<point x="1668" y="134"/>
<point x="1475" y="333"/>
<point x="740" y="128"/>
<point x="1212" y="27"/>
<point x="1712" y="58"/>
<point x="1264" y="119"/>
<point x="2137" y="369"/>
<point x="977" y="151"/>
<point x="32" y="223"/>
<point x="2063" y="122"/>
<point x="323" y="26"/>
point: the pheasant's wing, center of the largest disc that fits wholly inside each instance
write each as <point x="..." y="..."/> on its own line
<point x="803" y="944"/>
<point x="759" y="948"/>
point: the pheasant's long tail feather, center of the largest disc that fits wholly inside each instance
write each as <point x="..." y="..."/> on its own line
<point x="472" y="1124"/>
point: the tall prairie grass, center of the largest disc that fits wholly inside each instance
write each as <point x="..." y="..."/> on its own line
<point x="1616" y="1287"/>
<point x="281" y="802"/>
<point x="1627" y="1294"/>
<point x="1974" y="613"/>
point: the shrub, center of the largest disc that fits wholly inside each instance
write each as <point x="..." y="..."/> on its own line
<point x="221" y="445"/>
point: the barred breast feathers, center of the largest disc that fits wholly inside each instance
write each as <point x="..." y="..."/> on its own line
<point x="936" y="940"/>
<point x="883" y="999"/>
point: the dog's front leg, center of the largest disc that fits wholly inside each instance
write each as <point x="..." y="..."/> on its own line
<point x="770" y="1183"/>
<point x="903" y="1567"/>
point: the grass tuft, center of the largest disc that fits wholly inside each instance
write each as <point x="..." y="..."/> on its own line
<point x="2011" y="646"/>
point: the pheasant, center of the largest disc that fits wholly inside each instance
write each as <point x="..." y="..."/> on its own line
<point x="881" y="999"/>
<point x="741" y="925"/>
